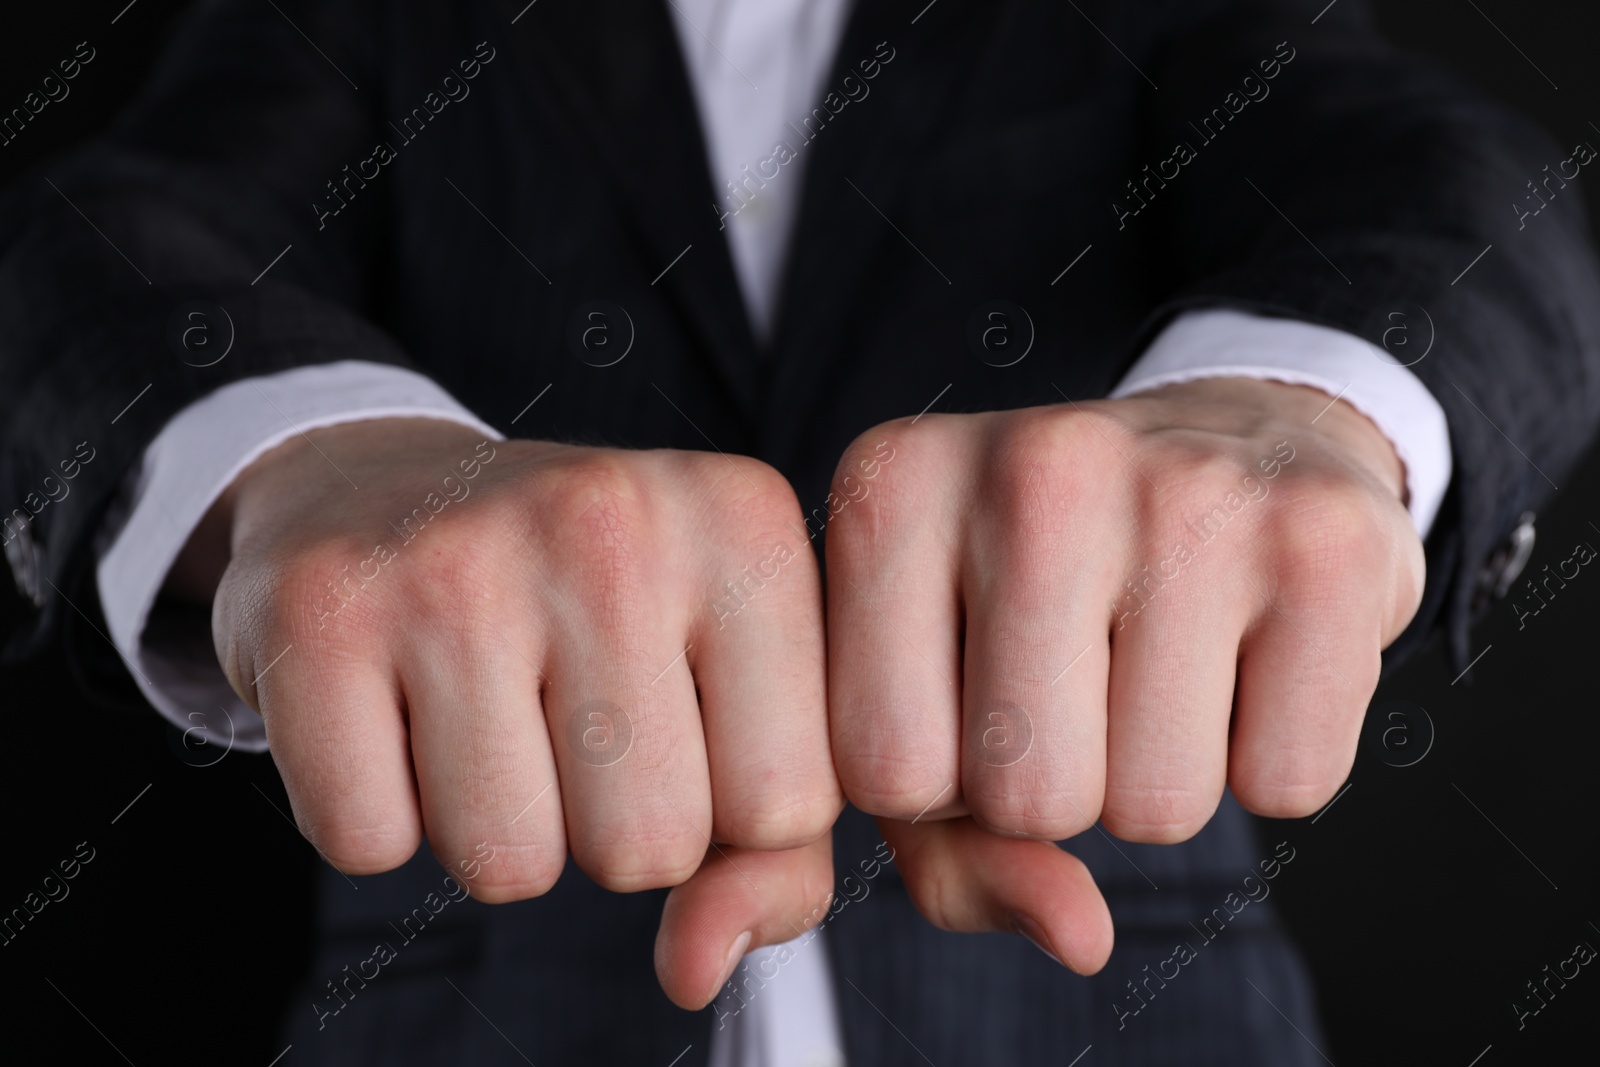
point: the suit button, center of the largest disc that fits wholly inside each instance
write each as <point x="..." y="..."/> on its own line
<point x="1506" y="565"/>
<point x="27" y="564"/>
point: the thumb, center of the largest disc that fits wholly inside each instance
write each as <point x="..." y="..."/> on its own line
<point x="739" y="900"/>
<point x="964" y="878"/>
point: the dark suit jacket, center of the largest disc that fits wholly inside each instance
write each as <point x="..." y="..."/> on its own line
<point x="1325" y="178"/>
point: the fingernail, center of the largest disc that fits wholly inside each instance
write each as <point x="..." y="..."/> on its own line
<point x="1034" y="933"/>
<point x="735" y="954"/>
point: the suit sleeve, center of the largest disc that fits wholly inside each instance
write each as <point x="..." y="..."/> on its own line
<point x="1310" y="171"/>
<point x="189" y="230"/>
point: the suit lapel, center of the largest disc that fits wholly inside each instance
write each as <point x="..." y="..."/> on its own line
<point x="611" y="74"/>
<point x="860" y="165"/>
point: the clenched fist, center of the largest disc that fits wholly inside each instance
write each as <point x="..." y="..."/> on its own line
<point x="529" y="646"/>
<point x="1107" y="610"/>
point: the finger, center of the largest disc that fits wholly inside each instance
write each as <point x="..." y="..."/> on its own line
<point x="483" y="760"/>
<point x="965" y="879"/>
<point x="1170" y="700"/>
<point x="894" y="637"/>
<point x="623" y="720"/>
<point x="1037" y="653"/>
<point x="737" y="901"/>
<point x="761" y="673"/>
<point x="1307" y="670"/>
<point x="337" y="735"/>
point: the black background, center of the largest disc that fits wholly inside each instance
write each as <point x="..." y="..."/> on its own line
<point x="1422" y="917"/>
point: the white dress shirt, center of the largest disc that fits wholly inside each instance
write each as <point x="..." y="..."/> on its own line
<point x="756" y="67"/>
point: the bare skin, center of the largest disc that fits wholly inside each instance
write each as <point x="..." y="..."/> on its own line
<point x="485" y="662"/>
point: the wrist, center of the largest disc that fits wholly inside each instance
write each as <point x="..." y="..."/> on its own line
<point x="270" y="485"/>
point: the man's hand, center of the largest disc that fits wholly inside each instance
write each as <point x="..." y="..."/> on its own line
<point x="525" y="649"/>
<point x="1108" y="610"/>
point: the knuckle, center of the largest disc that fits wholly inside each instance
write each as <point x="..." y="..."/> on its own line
<point x="898" y="783"/>
<point x="752" y="500"/>
<point x="1033" y="813"/>
<point x="1201" y="479"/>
<point x="299" y="596"/>
<point x="864" y="511"/>
<point x="590" y="500"/>
<point x="746" y="482"/>
<point x="1156" y="815"/>
<point x="1204" y="492"/>
<point x="634" y="862"/>
<point x="870" y="789"/>
<point x="1284" y="795"/>
<point x="1323" y="533"/>
<point x="596" y="515"/>
<point x="513" y="872"/>
<point x="1073" y="444"/>
<point x="1050" y="438"/>
<point x="353" y="597"/>
<point x="437" y="585"/>
<point x="355" y="848"/>
<point x="1038" y="469"/>
<point x="774" y="826"/>
<point x="1289" y="781"/>
<point x="865" y="455"/>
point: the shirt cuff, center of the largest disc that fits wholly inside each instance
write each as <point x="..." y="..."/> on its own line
<point x="196" y="456"/>
<point x="1234" y="344"/>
